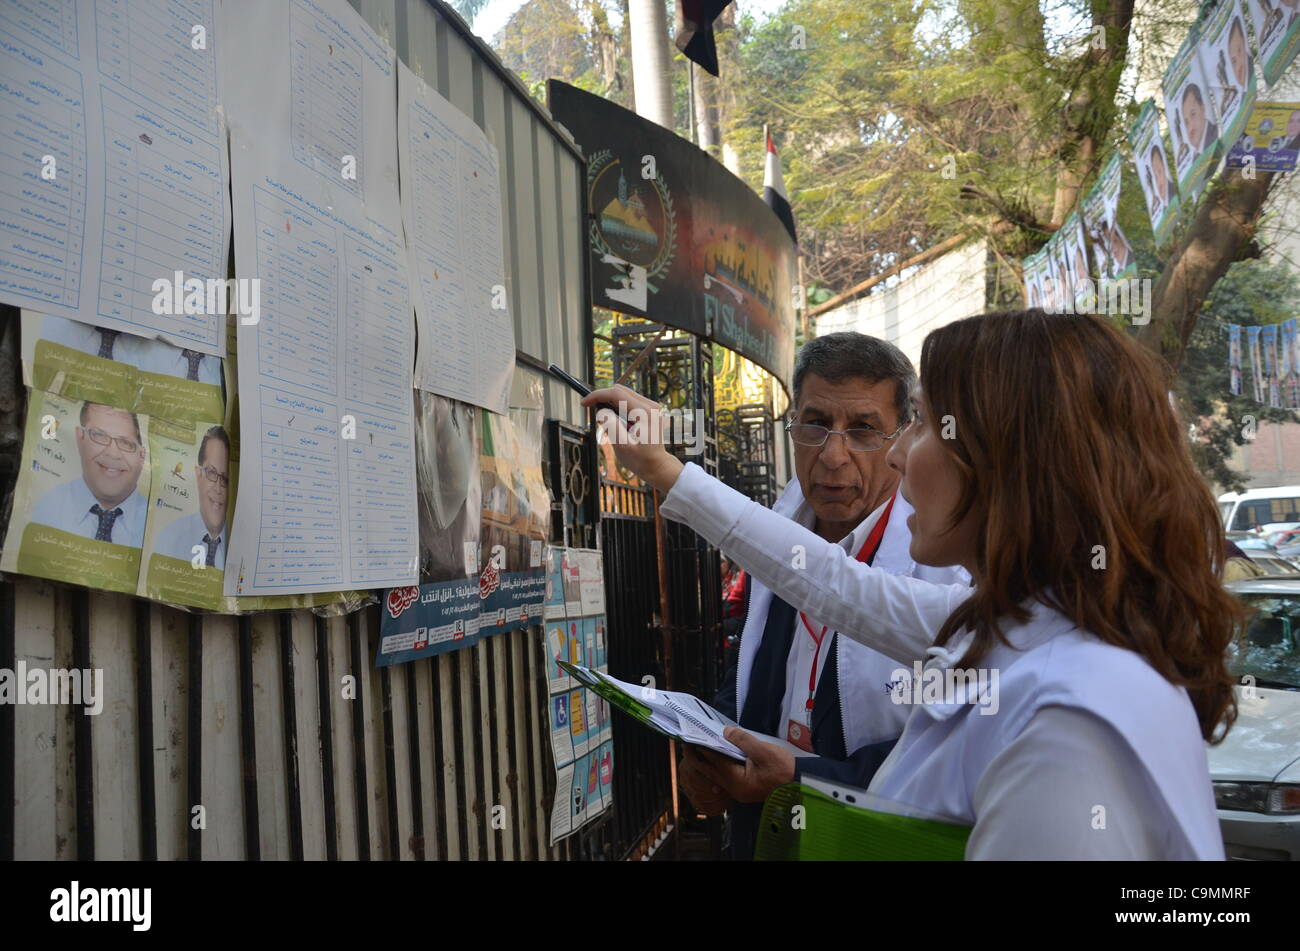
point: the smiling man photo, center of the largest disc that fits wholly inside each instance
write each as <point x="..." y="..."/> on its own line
<point x="104" y="504"/>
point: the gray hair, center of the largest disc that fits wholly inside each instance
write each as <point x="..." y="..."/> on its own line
<point x="848" y="355"/>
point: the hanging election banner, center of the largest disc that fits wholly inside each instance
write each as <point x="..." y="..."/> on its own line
<point x="1152" y="163"/>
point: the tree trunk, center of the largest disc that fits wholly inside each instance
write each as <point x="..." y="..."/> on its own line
<point x="1222" y="232"/>
<point x="654" y="99"/>
<point x="1090" y="111"/>
<point x="706" y="111"/>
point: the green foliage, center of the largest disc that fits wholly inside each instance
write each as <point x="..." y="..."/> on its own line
<point x="545" y="39"/>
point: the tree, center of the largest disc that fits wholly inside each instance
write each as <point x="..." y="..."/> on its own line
<point x="544" y="39"/>
<point x="904" y="123"/>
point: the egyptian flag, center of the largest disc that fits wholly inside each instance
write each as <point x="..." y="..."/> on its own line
<point x="694" y="31"/>
<point x="774" y="188"/>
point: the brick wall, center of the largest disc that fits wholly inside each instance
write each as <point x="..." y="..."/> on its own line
<point x="1273" y="458"/>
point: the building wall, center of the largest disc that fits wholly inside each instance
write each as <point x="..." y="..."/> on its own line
<point x="947" y="289"/>
<point x="1273" y="458"/>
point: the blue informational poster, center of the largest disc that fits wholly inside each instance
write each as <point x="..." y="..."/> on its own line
<point x="511" y="599"/>
<point x="575" y="631"/>
<point x="430" y="619"/>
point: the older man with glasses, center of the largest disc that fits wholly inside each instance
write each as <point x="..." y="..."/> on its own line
<point x="104" y="503"/>
<point x="794" y="679"/>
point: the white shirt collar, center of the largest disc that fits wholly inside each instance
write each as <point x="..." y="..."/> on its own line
<point x="852" y="542"/>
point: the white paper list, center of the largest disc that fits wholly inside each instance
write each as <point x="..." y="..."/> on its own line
<point x="451" y="209"/>
<point x="327" y="480"/>
<point x="113" y="159"/>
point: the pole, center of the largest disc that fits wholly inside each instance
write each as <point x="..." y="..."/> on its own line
<point x="690" y="97"/>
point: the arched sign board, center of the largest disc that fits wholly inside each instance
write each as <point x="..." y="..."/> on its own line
<point x="678" y="239"/>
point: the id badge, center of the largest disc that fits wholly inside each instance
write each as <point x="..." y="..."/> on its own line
<point x="799" y="734"/>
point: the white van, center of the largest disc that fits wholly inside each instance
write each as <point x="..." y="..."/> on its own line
<point x="1243" y="511"/>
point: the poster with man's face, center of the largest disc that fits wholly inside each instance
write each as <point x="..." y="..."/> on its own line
<point x="1030" y="272"/>
<point x="1080" y="288"/>
<point x="81" y="499"/>
<point x="1277" y="35"/>
<point x="1112" y="253"/>
<point x="1192" y="114"/>
<point x="1153" y="171"/>
<point x="1061" y="282"/>
<point x="187" y="536"/>
<point x="1227" y="62"/>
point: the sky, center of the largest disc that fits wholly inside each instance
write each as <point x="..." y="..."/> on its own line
<point x="495" y="15"/>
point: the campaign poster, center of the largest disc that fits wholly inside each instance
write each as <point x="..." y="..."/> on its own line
<point x="187" y="533"/>
<point x="1268" y="343"/>
<point x="1049" y="279"/>
<point x="1277" y="35"/>
<point x="428" y="619"/>
<point x="1029" y="277"/>
<point x="1061" y="273"/>
<point x="1234" y="359"/>
<point x="148" y="376"/>
<point x="1113" y="256"/>
<point x="82" y="495"/>
<point x="1258" y="384"/>
<point x="1289" y="370"/>
<point x="1193" y="120"/>
<point x="1076" y="256"/>
<point x="1159" y="187"/>
<point x="1271" y="138"/>
<point x="1035" y="283"/>
<point x="1227" y="62"/>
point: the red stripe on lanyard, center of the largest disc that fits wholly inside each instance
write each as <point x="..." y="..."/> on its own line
<point x="867" y="553"/>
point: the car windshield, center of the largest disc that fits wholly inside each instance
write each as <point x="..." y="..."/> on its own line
<point x="1268" y="648"/>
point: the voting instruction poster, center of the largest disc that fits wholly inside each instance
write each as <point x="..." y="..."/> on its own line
<point x="582" y="739"/>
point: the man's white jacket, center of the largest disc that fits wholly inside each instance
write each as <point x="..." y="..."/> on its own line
<point x="867" y="713"/>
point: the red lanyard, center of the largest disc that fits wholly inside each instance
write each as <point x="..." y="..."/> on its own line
<point x="867" y="553"/>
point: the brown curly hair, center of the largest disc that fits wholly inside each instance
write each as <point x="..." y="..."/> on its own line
<point x="1066" y="440"/>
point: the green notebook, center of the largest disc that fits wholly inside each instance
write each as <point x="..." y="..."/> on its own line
<point x="837" y="827"/>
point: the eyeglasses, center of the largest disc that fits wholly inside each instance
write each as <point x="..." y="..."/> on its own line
<point x="212" y="475"/>
<point x="858" y="440"/>
<point x="99" y="437"/>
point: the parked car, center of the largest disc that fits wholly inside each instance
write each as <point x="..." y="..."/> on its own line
<point x="1287" y="542"/>
<point x="1256" y="769"/>
<point x="1263" y="555"/>
<point x="1242" y="511"/>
